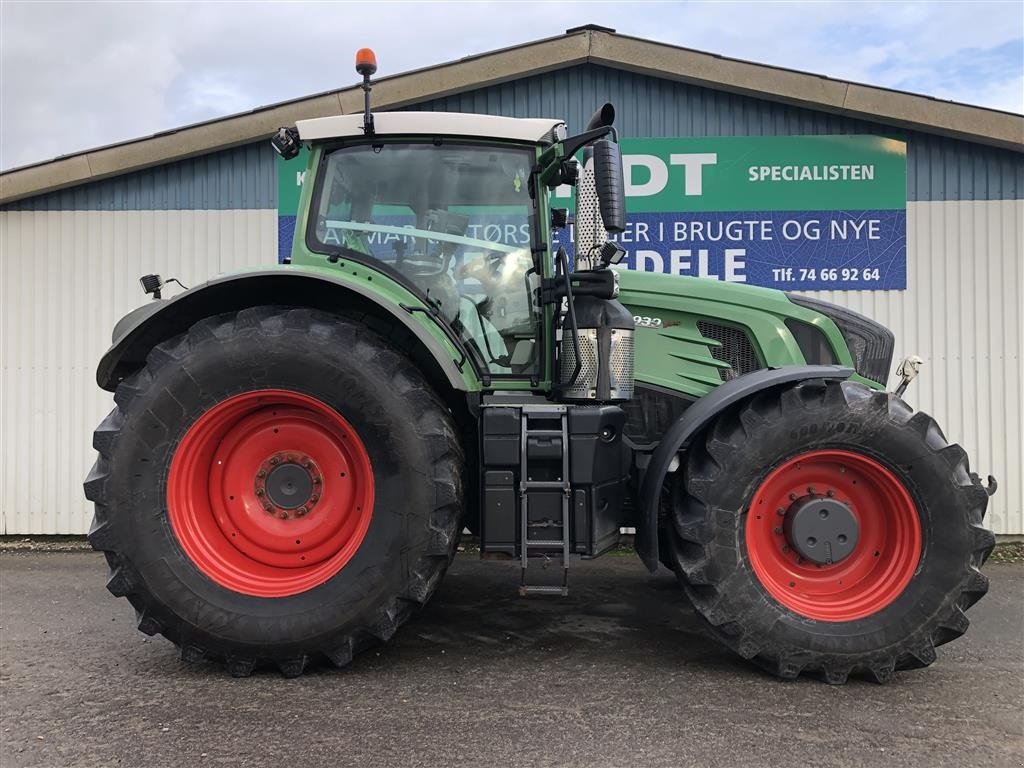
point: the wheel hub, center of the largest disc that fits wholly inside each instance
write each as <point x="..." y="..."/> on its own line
<point x="821" y="529"/>
<point x="288" y="485"/>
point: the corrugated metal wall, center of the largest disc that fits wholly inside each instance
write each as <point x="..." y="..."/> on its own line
<point x="69" y="263"/>
<point x="65" y="278"/>
<point x="962" y="313"/>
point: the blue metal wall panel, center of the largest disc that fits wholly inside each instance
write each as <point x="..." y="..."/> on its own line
<point x="937" y="168"/>
<point x="245" y="177"/>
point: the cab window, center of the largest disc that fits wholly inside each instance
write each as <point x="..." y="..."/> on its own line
<point x="455" y="222"/>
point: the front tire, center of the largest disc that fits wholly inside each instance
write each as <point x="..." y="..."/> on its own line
<point x="894" y="582"/>
<point x="276" y="486"/>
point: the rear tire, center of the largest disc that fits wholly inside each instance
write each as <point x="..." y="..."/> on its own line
<point x="185" y="480"/>
<point x="911" y="574"/>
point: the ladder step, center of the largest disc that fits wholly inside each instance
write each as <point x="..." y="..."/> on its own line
<point x="550" y="411"/>
<point x="533" y="448"/>
<point x="534" y="589"/>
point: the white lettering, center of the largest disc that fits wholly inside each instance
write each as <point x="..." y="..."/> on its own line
<point x="649" y="261"/>
<point x="657" y="173"/>
<point x="703" y="270"/>
<point x="693" y="165"/>
<point x="734" y="265"/>
<point x="679" y="261"/>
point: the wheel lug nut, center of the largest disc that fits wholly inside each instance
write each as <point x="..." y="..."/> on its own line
<point x="314" y="499"/>
<point x="792" y="497"/>
<point x="261" y="473"/>
<point x="259" y="491"/>
<point x="830" y="493"/>
<point x="810" y="489"/>
<point x="274" y="460"/>
<point x="316" y="481"/>
<point x="301" y="511"/>
<point x="283" y="515"/>
<point x="269" y="508"/>
<point x="780" y="512"/>
<point x="778" y="530"/>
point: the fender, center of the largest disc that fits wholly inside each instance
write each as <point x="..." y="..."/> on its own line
<point x="141" y="330"/>
<point x="692" y="422"/>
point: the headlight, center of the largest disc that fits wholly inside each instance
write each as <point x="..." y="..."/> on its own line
<point x="871" y="344"/>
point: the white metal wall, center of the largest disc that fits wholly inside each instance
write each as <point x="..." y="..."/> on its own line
<point x="65" y="277"/>
<point x="962" y="313"/>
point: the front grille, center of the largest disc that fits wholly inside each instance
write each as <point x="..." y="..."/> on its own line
<point x="736" y="349"/>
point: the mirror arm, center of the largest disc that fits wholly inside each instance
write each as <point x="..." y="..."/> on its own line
<point x="573" y="144"/>
<point x="549" y="165"/>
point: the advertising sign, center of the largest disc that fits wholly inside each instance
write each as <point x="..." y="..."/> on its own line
<point x="788" y="212"/>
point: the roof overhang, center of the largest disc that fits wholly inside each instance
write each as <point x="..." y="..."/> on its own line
<point x="430" y="124"/>
<point x="581" y="45"/>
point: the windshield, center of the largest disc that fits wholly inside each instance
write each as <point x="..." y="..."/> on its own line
<point x="454" y="221"/>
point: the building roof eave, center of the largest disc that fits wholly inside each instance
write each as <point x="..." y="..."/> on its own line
<point x="580" y="45"/>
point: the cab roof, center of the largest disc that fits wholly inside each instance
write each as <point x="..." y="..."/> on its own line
<point x="533" y="130"/>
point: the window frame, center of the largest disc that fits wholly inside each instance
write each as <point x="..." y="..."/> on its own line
<point x="316" y="246"/>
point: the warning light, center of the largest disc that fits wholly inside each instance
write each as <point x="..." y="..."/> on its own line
<point x="366" y="62"/>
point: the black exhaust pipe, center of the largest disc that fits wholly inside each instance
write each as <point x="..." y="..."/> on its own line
<point x="604" y="117"/>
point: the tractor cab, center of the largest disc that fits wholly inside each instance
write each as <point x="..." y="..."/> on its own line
<point x="456" y="208"/>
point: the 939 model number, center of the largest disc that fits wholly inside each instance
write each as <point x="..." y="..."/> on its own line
<point x="642" y="321"/>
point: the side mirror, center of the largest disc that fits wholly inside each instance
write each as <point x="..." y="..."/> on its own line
<point x="611" y="188"/>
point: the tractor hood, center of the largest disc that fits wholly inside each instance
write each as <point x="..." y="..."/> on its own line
<point x="695" y="333"/>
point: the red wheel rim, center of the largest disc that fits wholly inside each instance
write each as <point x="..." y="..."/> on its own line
<point x="228" y="484"/>
<point x="883" y="560"/>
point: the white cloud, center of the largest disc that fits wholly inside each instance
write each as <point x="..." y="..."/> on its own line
<point x="76" y="75"/>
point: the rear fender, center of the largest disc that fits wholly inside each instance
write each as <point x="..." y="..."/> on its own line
<point x="692" y="423"/>
<point x="139" y="331"/>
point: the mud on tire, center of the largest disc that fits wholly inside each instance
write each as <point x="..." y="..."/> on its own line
<point x="417" y="475"/>
<point x="706" y="535"/>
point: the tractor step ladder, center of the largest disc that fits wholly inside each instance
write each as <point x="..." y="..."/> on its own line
<point x="527" y="485"/>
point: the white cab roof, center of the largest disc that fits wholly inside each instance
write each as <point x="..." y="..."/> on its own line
<point x="430" y="123"/>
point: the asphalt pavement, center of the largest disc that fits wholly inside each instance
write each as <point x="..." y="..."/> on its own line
<point x="619" y="673"/>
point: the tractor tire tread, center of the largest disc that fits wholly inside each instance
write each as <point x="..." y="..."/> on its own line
<point x="434" y="427"/>
<point x="691" y="543"/>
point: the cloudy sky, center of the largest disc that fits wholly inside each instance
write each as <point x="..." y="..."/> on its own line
<point x="75" y="75"/>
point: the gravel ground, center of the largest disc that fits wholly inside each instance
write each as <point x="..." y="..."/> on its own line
<point x="618" y="674"/>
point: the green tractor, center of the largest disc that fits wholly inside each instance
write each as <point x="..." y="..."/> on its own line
<point x="295" y="451"/>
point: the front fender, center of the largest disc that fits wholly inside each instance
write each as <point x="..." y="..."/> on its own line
<point x="141" y="330"/>
<point x="692" y="422"/>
